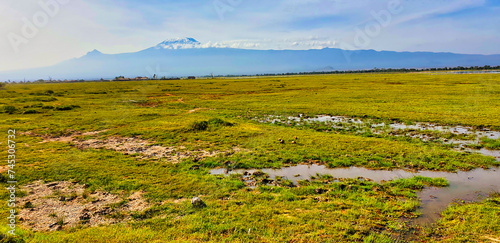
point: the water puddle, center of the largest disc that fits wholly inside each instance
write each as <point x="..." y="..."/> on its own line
<point x="463" y="138"/>
<point x="464" y="186"/>
<point x="474" y="72"/>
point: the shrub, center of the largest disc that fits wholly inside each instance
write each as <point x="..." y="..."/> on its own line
<point x="67" y="107"/>
<point x="199" y="126"/>
<point x="28" y="205"/>
<point x="3" y="179"/>
<point x="30" y="112"/>
<point x="10" y="109"/>
<point x="219" y="122"/>
<point x="36" y="99"/>
<point x="48" y="99"/>
<point x="212" y="123"/>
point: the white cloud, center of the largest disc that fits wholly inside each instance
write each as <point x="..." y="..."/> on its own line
<point x="275" y="44"/>
<point x="419" y="11"/>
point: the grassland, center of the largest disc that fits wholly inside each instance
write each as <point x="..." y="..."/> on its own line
<point x="458" y="220"/>
<point x="217" y="115"/>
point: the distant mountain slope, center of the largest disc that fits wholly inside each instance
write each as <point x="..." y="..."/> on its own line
<point x="183" y="57"/>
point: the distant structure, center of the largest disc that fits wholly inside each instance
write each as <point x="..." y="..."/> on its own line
<point x="191" y="77"/>
<point x="122" y="78"/>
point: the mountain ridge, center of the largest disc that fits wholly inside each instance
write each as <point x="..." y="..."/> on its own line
<point x="185" y="57"/>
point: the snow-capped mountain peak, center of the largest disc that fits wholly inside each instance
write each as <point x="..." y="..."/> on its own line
<point x="179" y="43"/>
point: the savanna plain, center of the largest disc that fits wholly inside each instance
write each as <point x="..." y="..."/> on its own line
<point x="121" y="161"/>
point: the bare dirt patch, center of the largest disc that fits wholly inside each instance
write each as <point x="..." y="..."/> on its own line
<point x="144" y="148"/>
<point x="69" y="138"/>
<point x="131" y="145"/>
<point x="61" y="205"/>
<point x="198" y="109"/>
<point x="3" y="169"/>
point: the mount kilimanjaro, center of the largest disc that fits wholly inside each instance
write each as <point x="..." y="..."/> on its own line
<point x="186" y="56"/>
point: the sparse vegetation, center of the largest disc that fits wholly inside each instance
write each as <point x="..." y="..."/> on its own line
<point x="212" y="123"/>
<point x="458" y="220"/>
<point x="10" y="109"/>
<point x="28" y="205"/>
<point x="490" y="143"/>
<point x="66" y="107"/>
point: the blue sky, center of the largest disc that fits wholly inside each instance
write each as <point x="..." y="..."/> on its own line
<point x="75" y="27"/>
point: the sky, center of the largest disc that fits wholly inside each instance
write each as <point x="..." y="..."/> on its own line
<point x="37" y="33"/>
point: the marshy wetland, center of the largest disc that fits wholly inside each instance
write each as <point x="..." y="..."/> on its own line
<point x="321" y="158"/>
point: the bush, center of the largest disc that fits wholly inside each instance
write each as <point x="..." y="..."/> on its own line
<point x="219" y="122"/>
<point x="10" y="109"/>
<point x="67" y="107"/>
<point x="36" y="99"/>
<point x="3" y="179"/>
<point x="30" y="112"/>
<point x="28" y="205"/>
<point x="39" y="105"/>
<point x="212" y="123"/>
<point x="48" y="99"/>
<point x="199" y="126"/>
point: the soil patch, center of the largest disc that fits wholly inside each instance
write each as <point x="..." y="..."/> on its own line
<point x="144" y="148"/>
<point x="198" y="109"/>
<point x="69" y="138"/>
<point x="62" y="205"/>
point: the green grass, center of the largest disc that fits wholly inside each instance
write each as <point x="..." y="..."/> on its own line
<point x="490" y="143"/>
<point x="218" y="115"/>
<point x="469" y="222"/>
<point x="349" y="210"/>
